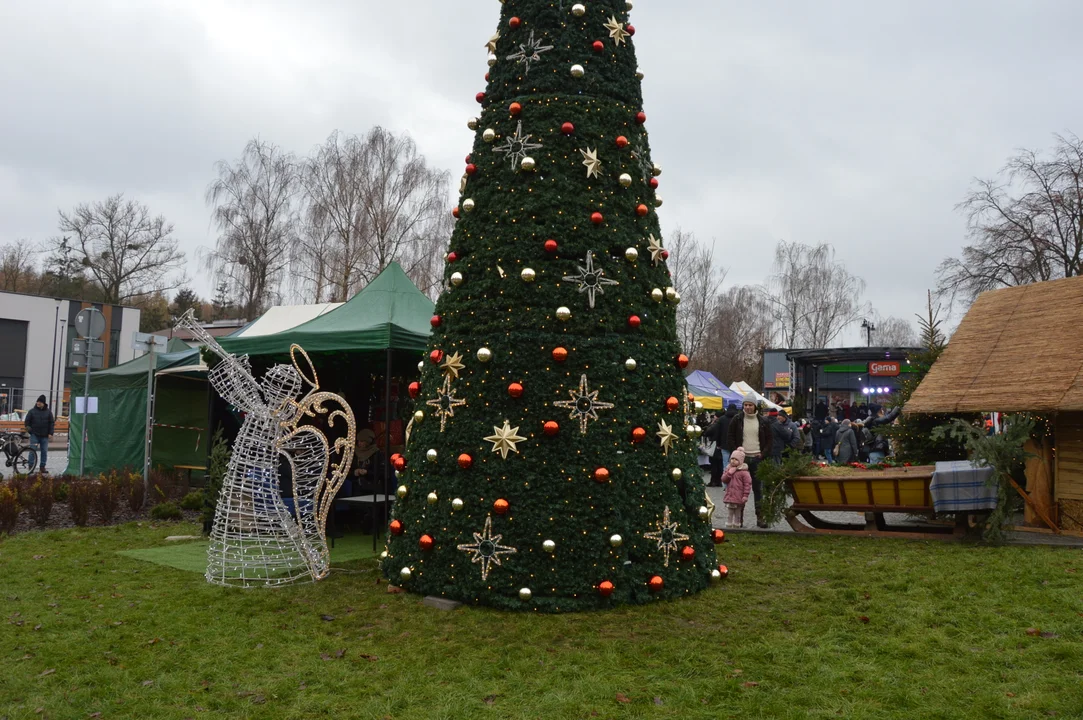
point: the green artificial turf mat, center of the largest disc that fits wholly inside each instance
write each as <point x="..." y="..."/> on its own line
<point x="192" y="556"/>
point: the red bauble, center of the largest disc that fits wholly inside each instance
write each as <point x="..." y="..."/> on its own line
<point x="515" y="108"/>
<point x="672" y="404"/>
<point x="688" y="552"/>
<point x="486" y="77"/>
<point x="426" y="542"/>
<point x="631" y="29"/>
<point x="597" y="218"/>
<point x="682" y="361"/>
<point x="551" y="428"/>
<point x="560" y="354"/>
<point x="654" y="183"/>
<point x="634" y="322"/>
<point x="642" y="211"/>
<point x="551" y="246"/>
<point x="514" y="23"/>
<point x="724" y="570"/>
<point x="468" y="159"/>
<point x="567" y="128"/>
<point x="601" y="475"/>
<point x="641" y="117"/>
<point x="718" y="536"/>
<point x="395" y="527"/>
<point x="415" y="389"/>
<point x="455" y="212"/>
<point x="501" y="507"/>
<point x="395" y="456"/>
<point x="639" y="435"/>
<point x="436" y="356"/>
<point x="605" y="588"/>
<point x="472" y="168"/>
<point x="599" y="46"/>
<point x="656" y="583"/>
<point x="452" y="257"/>
<point x="515" y="390"/>
<point x="435" y="321"/>
<point x="465" y="461"/>
<point x="400" y="463"/>
<point x="622" y="142"/>
<point x="480" y="97"/>
<point x="691" y="398"/>
<point x="665" y="254"/>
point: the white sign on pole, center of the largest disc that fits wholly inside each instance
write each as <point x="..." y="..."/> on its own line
<point x="80" y="406"/>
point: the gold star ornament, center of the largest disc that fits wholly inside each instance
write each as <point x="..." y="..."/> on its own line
<point x="486" y="548"/>
<point x="504" y="439"/>
<point x="452" y="365"/>
<point x="616" y="30"/>
<point x="594" y="165"/>
<point x="491" y="45"/>
<point x="656" y="248"/>
<point x="666" y="436"/>
<point x="666" y="536"/>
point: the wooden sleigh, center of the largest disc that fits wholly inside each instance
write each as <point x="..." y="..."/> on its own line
<point x="898" y="490"/>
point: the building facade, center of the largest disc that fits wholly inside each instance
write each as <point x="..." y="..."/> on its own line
<point x="36" y="335"/>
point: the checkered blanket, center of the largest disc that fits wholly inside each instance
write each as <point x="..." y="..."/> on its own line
<point x="959" y="486"/>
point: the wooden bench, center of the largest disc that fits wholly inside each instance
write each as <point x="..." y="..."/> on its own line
<point x="872" y="492"/>
<point x="190" y="469"/>
<point x="60" y="427"/>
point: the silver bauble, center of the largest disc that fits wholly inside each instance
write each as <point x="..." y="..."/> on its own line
<point x="528" y="275"/>
<point x="421" y="366"/>
<point x="432" y="456"/>
<point x="630" y="364"/>
<point x="625" y="180"/>
<point x="489" y="135"/>
<point x="579" y="9"/>
<point x="549" y="546"/>
<point x="456" y="279"/>
<point x="631" y="254"/>
<point x="457" y="504"/>
<point x="564" y="313"/>
<point x="697" y="405"/>
<point x="616" y="540"/>
<point x="578" y="71"/>
<point x="469" y="205"/>
<point x="485" y="355"/>
<point x="528" y="164"/>
<point x="525" y="594"/>
<point x="383" y="555"/>
<point x="406" y="573"/>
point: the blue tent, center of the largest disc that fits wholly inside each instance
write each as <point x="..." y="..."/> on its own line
<point x="711" y="391"/>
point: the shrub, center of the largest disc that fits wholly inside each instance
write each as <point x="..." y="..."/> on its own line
<point x="80" y="497"/>
<point x="163" y="485"/>
<point x="39" y="499"/>
<point x="135" y="492"/>
<point x="193" y="500"/>
<point x="216" y="474"/>
<point x="166" y="511"/>
<point x="60" y="491"/>
<point x="107" y="497"/>
<point x="9" y="509"/>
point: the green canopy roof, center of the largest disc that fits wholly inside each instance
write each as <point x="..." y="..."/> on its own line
<point x="177" y="354"/>
<point x="389" y="314"/>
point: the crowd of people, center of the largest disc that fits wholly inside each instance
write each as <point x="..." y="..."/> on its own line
<point x="735" y="442"/>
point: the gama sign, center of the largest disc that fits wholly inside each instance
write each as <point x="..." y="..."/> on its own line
<point x="885" y="369"/>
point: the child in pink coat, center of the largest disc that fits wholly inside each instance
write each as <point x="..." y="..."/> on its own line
<point x="738" y="485"/>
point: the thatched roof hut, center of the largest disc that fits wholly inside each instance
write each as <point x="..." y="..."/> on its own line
<point x="1021" y="350"/>
<point x="1018" y="350"/>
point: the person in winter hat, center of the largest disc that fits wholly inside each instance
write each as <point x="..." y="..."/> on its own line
<point x="752" y="432"/>
<point x="40" y="423"/>
<point x="738" y="487"/>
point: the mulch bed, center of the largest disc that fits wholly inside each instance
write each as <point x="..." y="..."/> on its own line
<point x="60" y="518"/>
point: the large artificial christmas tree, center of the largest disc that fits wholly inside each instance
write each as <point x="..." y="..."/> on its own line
<point x="551" y="462"/>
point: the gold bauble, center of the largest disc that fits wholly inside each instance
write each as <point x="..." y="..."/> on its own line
<point x="383" y="555"/>
<point x="625" y="180"/>
<point x="406" y="573"/>
<point x="697" y="405"/>
<point x="630" y="364"/>
<point x="457" y="504"/>
<point x="472" y="123"/>
<point x="525" y="594"/>
<point x="677" y="473"/>
<point x="528" y="164"/>
<point x="402" y="492"/>
<point x="657" y="295"/>
<point x="421" y="366"/>
<point x="469" y="205"/>
<point x="578" y="71"/>
<point x="628" y="4"/>
<point x="432" y="456"/>
<point x="485" y="355"/>
<point x="704" y="513"/>
<point x="656" y="170"/>
<point x="489" y="135"/>
<point x="491" y="60"/>
<point x="564" y="313"/>
<point x="691" y="430"/>
<point x="579" y="9"/>
<point x="432" y="498"/>
<point x="677" y="299"/>
<point x="456" y="280"/>
<point x="671" y="294"/>
<point x="419" y="416"/>
<point x="639" y="74"/>
<point x="657" y="201"/>
<point x="631" y="254"/>
<point x="549" y="546"/>
<point x="528" y="275"/>
<point x="616" y="540"/>
<point x="716" y="577"/>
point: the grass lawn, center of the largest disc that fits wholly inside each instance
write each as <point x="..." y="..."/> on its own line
<point x="803" y="628"/>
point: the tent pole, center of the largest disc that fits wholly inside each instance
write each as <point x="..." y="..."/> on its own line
<point x="149" y="442"/>
<point x="387" y="445"/>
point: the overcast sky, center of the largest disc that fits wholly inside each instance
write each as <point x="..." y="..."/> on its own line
<point x="851" y="122"/>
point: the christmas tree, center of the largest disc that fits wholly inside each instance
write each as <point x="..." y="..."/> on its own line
<point x="551" y="461"/>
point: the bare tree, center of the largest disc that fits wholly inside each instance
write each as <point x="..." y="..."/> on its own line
<point x="254" y="205"/>
<point x="739" y="330"/>
<point x="1025" y="226"/>
<point x="425" y="257"/>
<point x="813" y="297"/>
<point x="895" y="332"/>
<point x="376" y="201"/>
<point x="128" y="252"/>
<point x="18" y="267"/>
<point x="699" y="283"/>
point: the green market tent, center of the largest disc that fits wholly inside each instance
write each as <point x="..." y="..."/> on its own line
<point x="390" y="314"/>
<point x="116" y="433"/>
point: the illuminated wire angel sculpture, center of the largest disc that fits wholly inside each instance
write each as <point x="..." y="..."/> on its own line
<point x="256" y="540"/>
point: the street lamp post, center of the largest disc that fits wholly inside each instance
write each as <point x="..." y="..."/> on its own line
<point x="869" y="329"/>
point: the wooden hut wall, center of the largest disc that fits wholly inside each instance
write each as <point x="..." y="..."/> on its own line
<point x="1069" y="476"/>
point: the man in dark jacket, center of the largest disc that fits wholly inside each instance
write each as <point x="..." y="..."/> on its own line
<point x="716" y="433"/>
<point x="879" y="447"/>
<point x="847" y="442"/>
<point x="753" y="433"/>
<point x="40" y="423"/>
<point x="827" y="438"/>
<point x="781" y="436"/>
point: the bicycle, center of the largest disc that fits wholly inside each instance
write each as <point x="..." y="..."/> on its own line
<point x="18" y="455"/>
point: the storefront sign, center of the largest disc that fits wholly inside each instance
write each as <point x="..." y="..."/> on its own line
<point x="885" y="369"/>
<point x="782" y="380"/>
